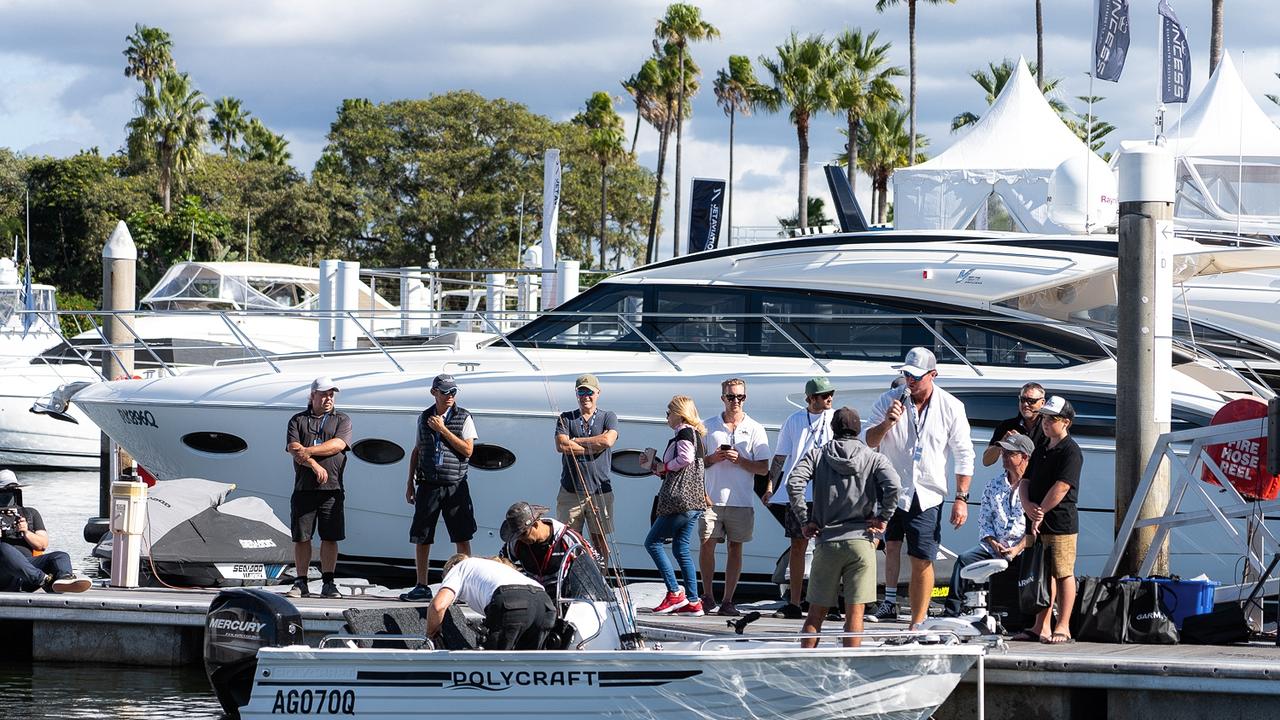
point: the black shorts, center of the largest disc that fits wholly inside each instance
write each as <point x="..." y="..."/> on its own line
<point x="791" y="527"/>
<point x="921" y="528"/>
<point x="314" y="511"/>
<point x="454" y="501"/>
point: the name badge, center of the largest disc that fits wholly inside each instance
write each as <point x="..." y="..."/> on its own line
<point x="918" y="453"/>
<point x="439" y="456"/>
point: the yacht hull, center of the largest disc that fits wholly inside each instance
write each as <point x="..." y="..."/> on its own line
<point x="29" y="439"/>
<point x="762" y="681"/>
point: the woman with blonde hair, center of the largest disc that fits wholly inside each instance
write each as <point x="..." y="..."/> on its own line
<point x="680" y="503"/>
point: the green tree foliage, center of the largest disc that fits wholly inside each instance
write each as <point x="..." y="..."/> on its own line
<point x="816" y="209"/>
<point x="994" y="79"/>
<point x="886" y="148"/>
<point x="681" y="25"/>
<point x="605" y="135"/>
<point x="164" y="238"/>
<point x="450" y="170"/>
<point x="803" y="76"/>
<point x="864" y="84"/>
<point x="174" y="126"/>
<point x="229" y="124"/>
<point x="645" y="89"/>
<point x="737" y="91"/>
<point x="262" y="145"/>
<point x="13" y="177"/>
<point x="1090" y="128"/>
<point x="911" y="35"/>
<point x="662" y="76"/>
<point x="149" y="55"/>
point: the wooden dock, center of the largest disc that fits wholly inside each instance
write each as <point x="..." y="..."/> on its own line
<point x="1024" y="681"/>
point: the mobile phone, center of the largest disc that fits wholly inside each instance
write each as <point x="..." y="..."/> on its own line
<point x="646" y="458"/>
<point x="726" y="446"/>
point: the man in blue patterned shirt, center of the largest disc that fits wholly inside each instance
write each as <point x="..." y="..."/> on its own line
<point x="1000" y="521"/>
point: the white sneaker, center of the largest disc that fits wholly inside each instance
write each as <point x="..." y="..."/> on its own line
<point x="71" y="584"/>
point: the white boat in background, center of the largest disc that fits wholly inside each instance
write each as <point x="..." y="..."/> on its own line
<point x="775" y="314"/>
<point x="198" y="313"/>
<point x="23" y="335"/>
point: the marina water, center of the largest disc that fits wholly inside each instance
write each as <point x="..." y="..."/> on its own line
<point x="83" y="690"/>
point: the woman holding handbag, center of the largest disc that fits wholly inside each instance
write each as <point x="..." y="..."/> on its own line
<point x="680" y="503"/>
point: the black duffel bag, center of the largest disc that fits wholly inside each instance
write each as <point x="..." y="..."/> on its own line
<point x="1033" y="580"/>
<point x="1150" y="616"/>
<point x="1118" y="610"/>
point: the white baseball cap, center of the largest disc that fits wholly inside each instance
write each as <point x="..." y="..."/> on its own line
<point x="919" y="361"/>
<point x="323" y="384"/>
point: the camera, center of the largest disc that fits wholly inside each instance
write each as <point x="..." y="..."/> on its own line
<point x="9" y="517"/>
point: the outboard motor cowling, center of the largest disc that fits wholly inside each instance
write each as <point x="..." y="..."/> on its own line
<point x="239" y="622"/>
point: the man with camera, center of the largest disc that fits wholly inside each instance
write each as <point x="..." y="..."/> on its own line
<point x="22" y="536"/>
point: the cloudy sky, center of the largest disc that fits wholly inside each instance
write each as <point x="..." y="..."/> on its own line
<point x="62" y="85"/>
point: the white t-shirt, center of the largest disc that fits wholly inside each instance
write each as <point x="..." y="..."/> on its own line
<point x="474" y="581"/>
<point x="729" y="484"/>
<point x="802" y="432"/>
<point x="942" y="430"/>
<point x="469" y="428"/>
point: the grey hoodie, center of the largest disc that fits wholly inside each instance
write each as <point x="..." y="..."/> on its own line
<point x="851" y="484"/>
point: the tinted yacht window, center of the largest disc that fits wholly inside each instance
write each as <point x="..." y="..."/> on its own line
<point x="590" y="320"/>
<point x="819" y="322"/>
<point x="698" y="320"/>
<point x="1095" y="414"/>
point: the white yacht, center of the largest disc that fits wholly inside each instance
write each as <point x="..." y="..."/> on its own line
<point x="246" y="309"/>
<point x="775" y="314"/>
<point x="23" y="335"/>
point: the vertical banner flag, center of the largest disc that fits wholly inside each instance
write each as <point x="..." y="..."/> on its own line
<point x="1175" y="81"/>
<point x="550" y="224"/>
<point x="705" y="213"/>
<point x="1112" y="44"/>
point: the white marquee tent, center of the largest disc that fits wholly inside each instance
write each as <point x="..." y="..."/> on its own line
<point x="1227" y="154"/>
<point x="1013" y="153"/>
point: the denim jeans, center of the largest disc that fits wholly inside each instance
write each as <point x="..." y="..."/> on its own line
<point x="955" y="595"/>
<point x="19" y="572"/>
<point x="680" y="528"/>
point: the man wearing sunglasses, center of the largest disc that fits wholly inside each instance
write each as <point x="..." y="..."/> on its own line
<point x="1026" y="422"/>
<point x="739" y="450"/>
<point x="916" y="427"/>
<point x="584" y="439"/>
<point x="438" y="479"/>
<point x="805" y="430"/>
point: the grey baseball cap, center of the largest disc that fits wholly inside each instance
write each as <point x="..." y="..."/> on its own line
<point x="1017" y="442"/>
<point x="520" y="517"/>
<point x="323" y="384"/>
<point x="919" y="361"/>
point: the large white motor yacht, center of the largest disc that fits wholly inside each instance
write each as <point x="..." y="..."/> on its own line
<point x="197" y="314"/>
<point x="773" y="314"/>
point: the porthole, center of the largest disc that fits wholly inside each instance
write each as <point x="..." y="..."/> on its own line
<point x="491" y="457"/>
<point x="627" y="463"/>
<point x="218" y="443"/>
<point x="377" y="451"/>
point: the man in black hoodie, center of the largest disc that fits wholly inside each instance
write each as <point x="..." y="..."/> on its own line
<point x="855" y="492"/>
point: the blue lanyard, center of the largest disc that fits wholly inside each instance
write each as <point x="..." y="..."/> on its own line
<point x="816" y="437"/>
<point x="440" y="438"/>
<point x="317" y="435"/>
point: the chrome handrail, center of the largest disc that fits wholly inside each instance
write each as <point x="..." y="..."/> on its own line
<point x="836" y="635"/>
<point x="340" y="637"/>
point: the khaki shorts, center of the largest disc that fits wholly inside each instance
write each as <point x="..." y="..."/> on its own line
<point x="721" y="522"/>
<point x="851" y="563"/>
<point x="1060" y="554"/>
<point x="572" y="510"/>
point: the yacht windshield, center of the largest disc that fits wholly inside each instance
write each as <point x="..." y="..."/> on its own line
<point x="12" y="305"/>
<point x="192" y="286"/>
<point x="793" y="323"/>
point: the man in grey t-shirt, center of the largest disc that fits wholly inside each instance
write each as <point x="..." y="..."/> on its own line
<point x="584" y="439"/>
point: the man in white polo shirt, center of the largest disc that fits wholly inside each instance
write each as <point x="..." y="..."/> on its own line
<point x="738" y="450"/>
<point x="916" y="427"/>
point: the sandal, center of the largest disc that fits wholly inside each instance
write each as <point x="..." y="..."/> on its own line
<point x="1058" y="639"/>
<point x="1026" y="636"/>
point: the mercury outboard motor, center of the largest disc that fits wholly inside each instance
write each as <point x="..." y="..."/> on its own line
<point x="239" y="622"/>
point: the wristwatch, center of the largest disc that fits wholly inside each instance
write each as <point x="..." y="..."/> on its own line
<point x="962" y="497"/>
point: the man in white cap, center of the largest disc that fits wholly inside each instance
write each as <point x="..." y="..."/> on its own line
<point x="318" y="438"/>
<point x="916" y="427"/>
<point x="22" y="535"/>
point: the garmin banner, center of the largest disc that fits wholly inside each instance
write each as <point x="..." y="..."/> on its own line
<point x="705" y="213"/>
<point x="1175" y="81"/>
<point x="1112" y="43"/>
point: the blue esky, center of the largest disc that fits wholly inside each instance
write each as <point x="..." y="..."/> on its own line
<point x="62" y="86"/>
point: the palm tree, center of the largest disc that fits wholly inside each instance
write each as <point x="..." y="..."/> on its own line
<point x="1274" y="98"/>
<point x="911" y="34"/>
<point x="993" y="81"/>
<point x="173" y="122"/>
<point x="1215" y="36"/>
<point x="864" y="85"/>
<point x="668" y="66"/>
<point x="1089" y="128"/>
<point x="886" y="148"/>
<point x="803" y="78"/>
<point x="148" y="56"/>
<point x="605" y="135"/>
<point x="736" y="91"/>
<point x="262" y="145"/>
<point x="681" y="25"/>
<point x="817" y="211"/>
<point x="230" y="121"/>
<point x="645" y="89"/>
<point x="1039" y="46"/>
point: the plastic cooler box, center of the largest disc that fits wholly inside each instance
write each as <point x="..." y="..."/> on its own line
<point x="1190" y="597"/>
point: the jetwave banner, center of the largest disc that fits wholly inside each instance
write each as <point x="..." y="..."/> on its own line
<point x="1112" y="44"/>
<point x="705" y="213"/>
<point x="1175" y="81"/>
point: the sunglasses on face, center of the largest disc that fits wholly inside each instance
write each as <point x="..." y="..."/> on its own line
<point x="825" y="395"/>
<point x="448" y="393"/>
<point x="734" y="398"/>
<point x="1030" y="400"/>
<point x="914" y="378"/>
<point x="586" y="392"/>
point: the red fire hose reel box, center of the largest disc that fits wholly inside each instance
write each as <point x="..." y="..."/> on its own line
<point x="1243" y="462"/>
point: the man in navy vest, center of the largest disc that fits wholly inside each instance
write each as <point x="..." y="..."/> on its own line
<point x="318" y="439"/>
<point x="438" y="479"/>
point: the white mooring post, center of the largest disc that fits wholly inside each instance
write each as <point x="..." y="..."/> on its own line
<point x="324" y="328"/>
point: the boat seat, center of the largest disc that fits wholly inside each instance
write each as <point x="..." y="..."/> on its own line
<point x="456" y="632"/>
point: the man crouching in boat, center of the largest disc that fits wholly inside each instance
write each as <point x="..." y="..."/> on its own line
<point x="855" y="492"/>
<point x="518" y="613"/>
<point x="548" y="551"/>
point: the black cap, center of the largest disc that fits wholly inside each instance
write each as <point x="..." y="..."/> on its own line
<point x="846" y="423"/>
<point x="520" y="517"/>
<point x="444" y="383"/>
